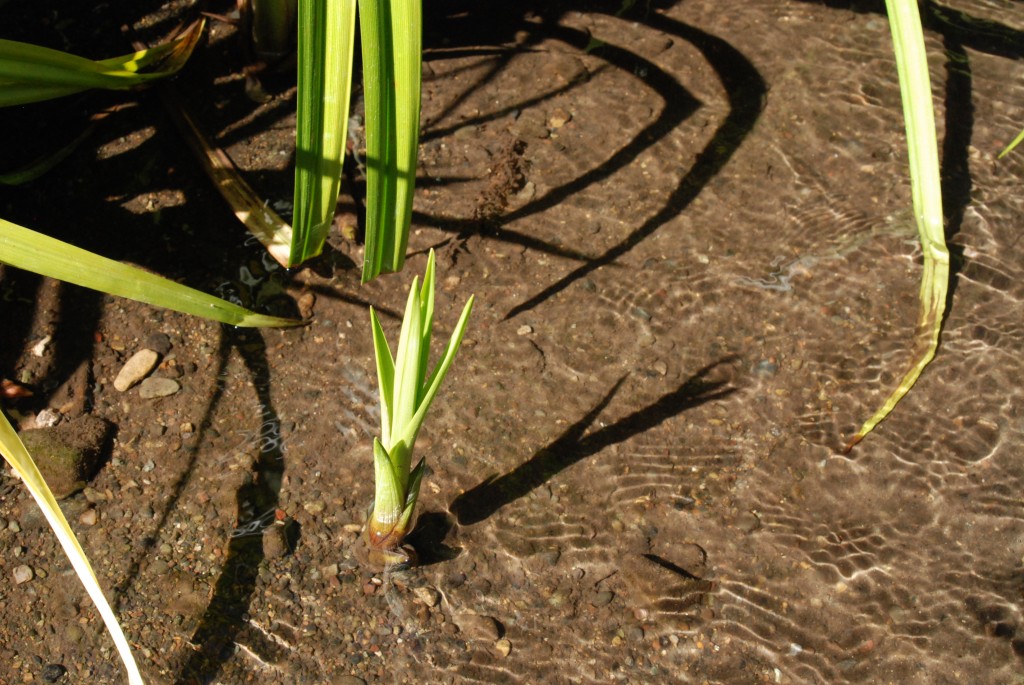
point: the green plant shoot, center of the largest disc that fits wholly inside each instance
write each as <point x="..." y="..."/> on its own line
<point x="390" y="34"/>
<point x="406" y="392"/>
<point x="1009" y="148"/>
<point x="926" y="189"/>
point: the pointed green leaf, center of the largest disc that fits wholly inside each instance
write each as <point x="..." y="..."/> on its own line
<point x="406" y="23"/>
<point x="29" y="73"/>
<point x="379" y="94"/>
<point x="407" y="373"/>
<point x="26" y="249"/>
<point x="389" y="499"/>
<point x="385" y="374"/>
<point x="18" y="457"/>
<point x="412" y="496"/>
<point x="427" y="317"/>
<point x="434" y="383"/>
<point x="326" y="47"/>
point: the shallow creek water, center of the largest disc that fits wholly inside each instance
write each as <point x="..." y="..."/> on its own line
<point x="707" y="281"/>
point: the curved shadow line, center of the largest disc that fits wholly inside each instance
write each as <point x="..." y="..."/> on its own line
<point x="679" y="106"/>
<point x="485" y="499"/>
<point x="498" y="65"/>
<point x="225" y="615"/>
<point x="508" y="110"/>
<point x="745" y="90"/>
<point x="465" y="227"/>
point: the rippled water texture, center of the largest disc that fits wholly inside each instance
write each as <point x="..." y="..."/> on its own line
<point x="689" y="235"/>
<point x="726" y="330"/>
<point x="680" y="322"/>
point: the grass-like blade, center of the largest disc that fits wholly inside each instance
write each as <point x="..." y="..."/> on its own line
<point x="30" y="73"/>
<point x="391" y="33"/>
<point x="326" y="46"/>
<point x="32" y="251"/>
<point x="926" y="189"/>
<point x="263" y="223"/>
<point x="18" y="457"/>
<point x="40" y="166"/>
<point x="1009" y="148"/>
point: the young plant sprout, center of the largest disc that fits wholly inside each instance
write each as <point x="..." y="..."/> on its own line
<point x="406" y="392"/>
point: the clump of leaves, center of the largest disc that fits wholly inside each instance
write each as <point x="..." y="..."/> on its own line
<point x="406" y="392"/>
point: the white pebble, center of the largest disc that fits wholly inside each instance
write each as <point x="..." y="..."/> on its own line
<point x="135" y="369"/>
<point x="23" y="574"/>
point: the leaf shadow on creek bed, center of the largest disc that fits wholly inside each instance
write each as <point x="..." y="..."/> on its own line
<point x="225" y="614"/>
<point x="484" y="500"/>
<point x="745" y="91"/>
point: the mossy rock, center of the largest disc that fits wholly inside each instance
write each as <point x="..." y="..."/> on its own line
<point x="69" y="455"/>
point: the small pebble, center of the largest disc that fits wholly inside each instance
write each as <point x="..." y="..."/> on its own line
<point x="559" y="118"/>
<point x="89" y="517"/>
<point x="660" y="367"/>
<point x="53" y="672"/>
<point x="603" y="598"/>
<point x="275" y="541"/>
<point x="158" y="387"/>
<point x="524" y="330"/>
<point x="427" y="595"/>
<point x="39" y="349"/>
<point x="23" y="574"/>
<point x="528" y="192"/>
<point x="305" y="304"/>
<point x="503" y="647"/>
<point x="159" y="343"/>
<point x="138" y="366"/>
<point x="47" y="418"/>
<point x="477" y="627"/>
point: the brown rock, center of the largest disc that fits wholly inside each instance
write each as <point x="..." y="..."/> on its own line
<point x="477" y="627"/>
<point x="158" y="387"/>
<point x="68" y="455"/>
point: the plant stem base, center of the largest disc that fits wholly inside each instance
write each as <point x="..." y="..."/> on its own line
<point x="393" y="559"/>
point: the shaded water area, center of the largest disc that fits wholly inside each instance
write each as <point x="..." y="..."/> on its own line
<point x="688" y="231"/>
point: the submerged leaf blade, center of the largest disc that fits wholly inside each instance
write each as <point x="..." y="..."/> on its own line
<point x="17" y="456"/>
<point x="926" y="190"/>
<point x="26" y="249"/>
